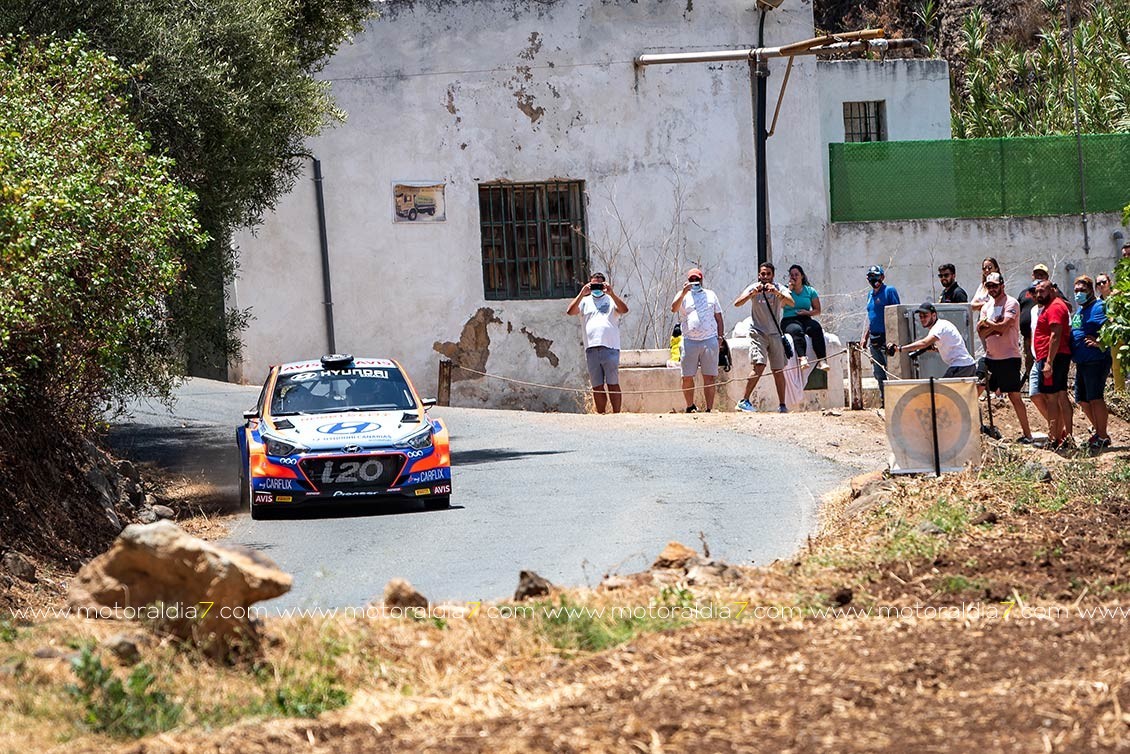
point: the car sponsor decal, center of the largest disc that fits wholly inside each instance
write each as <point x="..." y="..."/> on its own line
<point x="346" y="493"/>
<point x="346" y="429"/>
<point x="264" y="497"/>
<point x="420" y="493"/>
<point x="283" y="499"/>
<point x="277" y="484"/>
<point x="431" y="475"/>
<point x="442" y="489"/>
<point x="284" y="460"/>
<point x="380" y="374"/>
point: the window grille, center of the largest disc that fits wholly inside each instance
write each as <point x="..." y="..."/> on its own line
<point x="865" y="121"/>
<point x="533" y="239"/>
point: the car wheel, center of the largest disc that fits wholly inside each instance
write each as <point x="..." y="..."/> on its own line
<point x="437" y="502"/>
<point x="412" y="214"/>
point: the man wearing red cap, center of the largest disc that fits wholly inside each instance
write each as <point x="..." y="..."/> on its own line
<point x="700" y="316"/>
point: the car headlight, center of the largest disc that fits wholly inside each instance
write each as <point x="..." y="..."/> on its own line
<point x="420" y="440"/>
<point x="277" y="447"/>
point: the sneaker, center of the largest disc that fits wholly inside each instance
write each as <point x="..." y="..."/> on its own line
<point x="782" y="409"/>
<point x="1024" y="440"/>
<point x="804" y="362"/>
<point x="744" y="405"/>
<point x="692" y="409"/>
<point x="822" y="365"/>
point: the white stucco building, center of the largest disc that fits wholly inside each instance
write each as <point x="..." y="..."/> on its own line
<point x="553" y="156"/>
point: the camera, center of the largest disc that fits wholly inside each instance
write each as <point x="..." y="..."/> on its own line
<point x="596" y="286"/>
<point x="892" y="348"/>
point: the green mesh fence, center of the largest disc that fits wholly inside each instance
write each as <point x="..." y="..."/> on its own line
<point x="1022" y="176"/>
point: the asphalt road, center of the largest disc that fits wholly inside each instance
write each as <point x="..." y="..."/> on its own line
<point x="570" y="496"/>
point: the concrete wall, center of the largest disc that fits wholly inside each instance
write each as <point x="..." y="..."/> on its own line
<point x="916" y="92"/>
<point x="911" y="251"/>
<point x="484" y="91"/>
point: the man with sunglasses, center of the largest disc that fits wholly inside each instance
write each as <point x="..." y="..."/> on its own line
<point x="952" y="293"/>
<point x="945" y="338"/>
<point x="999" y="329"/>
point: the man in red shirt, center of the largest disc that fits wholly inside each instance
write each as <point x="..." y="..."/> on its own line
<point x="1052" y="343"/>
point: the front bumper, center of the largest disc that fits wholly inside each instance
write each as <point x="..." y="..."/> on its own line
<point x="294" y="480"/>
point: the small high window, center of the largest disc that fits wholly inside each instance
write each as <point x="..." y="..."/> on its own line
<point x="533" y="239"/>
<point x="865" y="121"/>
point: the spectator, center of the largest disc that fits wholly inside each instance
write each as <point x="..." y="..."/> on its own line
<point x="800" y="319"/>
<point x="1126" y="250"/>
<point x="700" y="316"/>
<point x="981" y="297"/>
<point x="1027" y="299"/>
<point x="1051" y="338"/>
<point x="1092" y="361"/>
<point x="765" y="337"/>
<point x="879" y="298"/>
<point x="1102" y="286"/>
<point x="952" y="293"/>
<point x="945" y="338"/>
<point x="999" y="329"/>
<point x="602" y="309"/>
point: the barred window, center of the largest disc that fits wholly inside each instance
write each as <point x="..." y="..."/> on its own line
<point x="533" y="239"/>
<point x="865" y="121"/>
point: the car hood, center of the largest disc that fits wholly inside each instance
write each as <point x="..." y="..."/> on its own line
<point x="335" y="431"/>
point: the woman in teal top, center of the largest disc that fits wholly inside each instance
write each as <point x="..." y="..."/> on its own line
<point x="799" y="319"/>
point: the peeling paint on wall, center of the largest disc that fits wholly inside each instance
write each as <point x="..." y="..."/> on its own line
<point x="541" y="347"/>
<point x="473" y="348"/>
<point x="526" y="105"/>
<point x="533" y="49"/>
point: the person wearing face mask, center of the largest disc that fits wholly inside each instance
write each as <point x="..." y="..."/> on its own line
<point x="601" y="309"/>
<point x="1051" y="340"/>
<point x="700" y="318"/>
<point x="879" y="298"/>
<point x="1092" y="361"/>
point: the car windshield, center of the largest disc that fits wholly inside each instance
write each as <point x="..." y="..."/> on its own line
<point x="349" y="389"/>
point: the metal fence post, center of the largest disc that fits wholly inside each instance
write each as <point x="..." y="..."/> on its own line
<point x="855" y="375"/>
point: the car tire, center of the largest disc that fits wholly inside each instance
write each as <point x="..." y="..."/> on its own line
<point x="412" y="214"/>
<point x="437" y="502"/>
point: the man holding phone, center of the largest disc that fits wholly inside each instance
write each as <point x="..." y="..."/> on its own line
<point x="601" y="308"/>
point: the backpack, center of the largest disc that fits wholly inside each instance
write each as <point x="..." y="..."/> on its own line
<point x="724" y="359"/>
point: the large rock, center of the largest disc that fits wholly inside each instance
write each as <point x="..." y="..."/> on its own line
<point x="531" y="585"/>
<point x="184" y="585"/>
<point x="19" y="566"/>
<point x="401" y="594"/>
<point x="674" y="555"/>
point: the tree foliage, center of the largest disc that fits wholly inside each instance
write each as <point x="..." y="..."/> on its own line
<point x="227" y="89"/>
<point x="92" y="227"/>
<point x="1007" y="90"/>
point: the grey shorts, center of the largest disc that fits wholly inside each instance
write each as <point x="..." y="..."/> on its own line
<point x="967" y="371"/>
<point x="604" y="365"/>
<point x="766" y="349"/>
<point x="700" y="353"/>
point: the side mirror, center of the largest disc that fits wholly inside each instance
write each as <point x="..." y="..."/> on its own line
<point x="251" y="413"/>
<point x="428" y="403"/>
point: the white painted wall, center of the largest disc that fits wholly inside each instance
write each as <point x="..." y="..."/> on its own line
<point x="917" y="93"/>
<point x="484" y="91"/>
<point x="911" y="251"/>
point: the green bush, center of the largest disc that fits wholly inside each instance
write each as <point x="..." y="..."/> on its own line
<point x="92" y="228"/>
<point x="123" y="710"/>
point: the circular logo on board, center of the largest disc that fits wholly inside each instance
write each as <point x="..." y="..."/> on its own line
<point x="911" y="426"/>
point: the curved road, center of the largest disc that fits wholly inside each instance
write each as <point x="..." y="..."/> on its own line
<point x="570" y="496"/>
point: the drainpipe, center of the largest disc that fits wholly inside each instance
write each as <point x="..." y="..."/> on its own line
<point x="327" y="296"/>
<point x="759" y="72"/>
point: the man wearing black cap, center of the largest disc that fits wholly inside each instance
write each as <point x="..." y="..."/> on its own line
<point x="946" y="339"/>
<point x="879" y="298"/>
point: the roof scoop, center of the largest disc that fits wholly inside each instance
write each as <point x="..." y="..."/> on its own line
<point x="337" y="360"/>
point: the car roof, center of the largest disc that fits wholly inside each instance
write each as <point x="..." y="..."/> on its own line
<point x="315" y="365"/>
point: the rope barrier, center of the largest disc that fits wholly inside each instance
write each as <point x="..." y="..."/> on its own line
<point x="585" y="391"/>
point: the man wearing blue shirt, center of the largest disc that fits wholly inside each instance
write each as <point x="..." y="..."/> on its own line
<point x="880" y="297"/>
<point x="1092" y="361"/>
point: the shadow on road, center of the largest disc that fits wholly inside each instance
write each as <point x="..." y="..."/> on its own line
<point x="183" y="450"/>
<point x="490" y="455"/>
<point x="355" y="510"/>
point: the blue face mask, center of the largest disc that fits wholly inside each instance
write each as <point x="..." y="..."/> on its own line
<point x="1081" y="297"/>
<point x="696" y="287"/>
<point x="597" y="294"/>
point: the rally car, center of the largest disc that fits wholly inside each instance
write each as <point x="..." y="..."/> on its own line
<point x="340" y="429"/>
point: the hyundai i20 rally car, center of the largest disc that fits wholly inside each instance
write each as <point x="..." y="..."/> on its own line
<point x="341" y="429"/>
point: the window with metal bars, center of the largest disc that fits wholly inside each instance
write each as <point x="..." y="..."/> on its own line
<point x="865" y="121"/>
<point x="533" y="239"/>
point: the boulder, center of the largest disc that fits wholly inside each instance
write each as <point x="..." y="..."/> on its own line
<point x="858" y="483"/>
<point x="674" y="555"/>
<point x="193" y="589"/>
<point x="99" y="482"/>
<point x="164" y="511"/>
<point x="531" y="585"/>
<point x="129" y="471"/>
<point x="867" y="503"/>
<point x="703" y="571"/>
<point x="126" y="647"/>
<point x="19" y="566"/>
<point x="146" y="515"/>
<point x="401" y="594"/>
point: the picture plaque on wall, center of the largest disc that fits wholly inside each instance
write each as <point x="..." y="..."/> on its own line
<point x="418" y="202"/>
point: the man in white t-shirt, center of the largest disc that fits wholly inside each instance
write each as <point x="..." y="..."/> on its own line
<point x="946" y="339"/>
<point x="700" y="316"/>
<point x="601" y="308"/>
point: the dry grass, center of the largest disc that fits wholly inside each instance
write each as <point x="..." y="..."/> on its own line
<point x="788" y="676"/>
